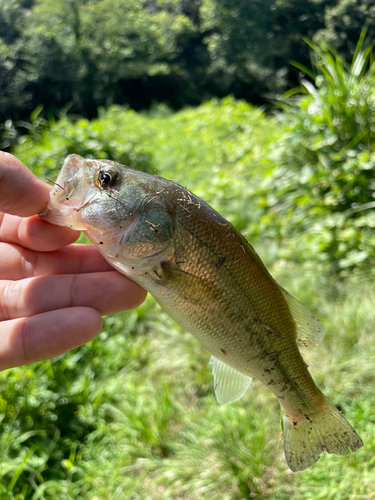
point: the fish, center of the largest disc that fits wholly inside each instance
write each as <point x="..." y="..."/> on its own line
<point x="210" y="280"/>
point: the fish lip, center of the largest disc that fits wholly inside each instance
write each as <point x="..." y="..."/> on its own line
<point x="67" y="195"/>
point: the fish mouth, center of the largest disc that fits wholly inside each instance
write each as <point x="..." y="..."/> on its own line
<point x="68" y="194"/>
<point x="73" y="164"/>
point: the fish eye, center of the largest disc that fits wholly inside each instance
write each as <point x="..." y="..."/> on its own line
<point x="107" y="178"/>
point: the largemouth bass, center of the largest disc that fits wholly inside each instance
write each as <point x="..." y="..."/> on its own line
<point x="209" y="279"/>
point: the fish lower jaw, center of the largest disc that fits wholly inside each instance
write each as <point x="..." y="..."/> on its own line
<point x="131" y="268"/>
<point x="61" y="217"/>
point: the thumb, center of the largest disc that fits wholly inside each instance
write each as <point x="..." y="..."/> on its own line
<point x="21" y="192"/>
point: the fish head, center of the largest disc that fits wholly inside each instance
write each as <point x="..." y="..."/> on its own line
<point x="119" y="209"/>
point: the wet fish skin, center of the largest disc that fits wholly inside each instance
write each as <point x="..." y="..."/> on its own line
<point x="209" y="279"/>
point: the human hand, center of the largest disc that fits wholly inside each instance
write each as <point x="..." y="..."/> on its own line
<point x="52" y="293"/>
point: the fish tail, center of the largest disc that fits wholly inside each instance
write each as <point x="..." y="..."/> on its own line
<point x="305" y="440"/>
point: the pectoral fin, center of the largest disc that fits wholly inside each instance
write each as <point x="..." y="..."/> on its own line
<point x="229" y="384"/>
<point x="310" y="331"/>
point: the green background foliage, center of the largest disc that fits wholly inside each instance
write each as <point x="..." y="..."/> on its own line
<point x="132" y="414"/>
<point x="89" y="53"/>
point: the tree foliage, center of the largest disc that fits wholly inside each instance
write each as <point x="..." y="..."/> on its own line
<point x="14" y="75"/>
<point x="344" y="21"/>
<point x="257" y="39"/>
<point x="90" y="53"/>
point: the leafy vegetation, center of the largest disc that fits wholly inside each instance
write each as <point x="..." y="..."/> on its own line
<point x="132" y="414"/>
<point x="324" y="184"/>
<point x="90" y="53"/>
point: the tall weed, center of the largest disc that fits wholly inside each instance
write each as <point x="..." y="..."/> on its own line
<point x="324" y="185"/>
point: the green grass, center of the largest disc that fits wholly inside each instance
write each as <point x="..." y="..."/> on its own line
<point x="132" y="415"/>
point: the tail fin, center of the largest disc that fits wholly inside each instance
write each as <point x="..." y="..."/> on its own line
<point x="328" y="430"/>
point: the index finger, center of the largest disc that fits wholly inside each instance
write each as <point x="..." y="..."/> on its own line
<point x="34" y="233"/>
<point x="21" y="192"/>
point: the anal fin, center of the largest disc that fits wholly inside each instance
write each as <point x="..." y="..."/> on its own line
<point x="229" y="384"/>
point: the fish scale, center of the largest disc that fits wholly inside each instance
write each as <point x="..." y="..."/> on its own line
<point x="236" y="275"/>
<point x="208" y="278"/>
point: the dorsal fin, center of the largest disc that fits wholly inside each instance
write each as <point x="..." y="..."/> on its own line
<point x="229" y="384"/>
<point x="310" y="330"/>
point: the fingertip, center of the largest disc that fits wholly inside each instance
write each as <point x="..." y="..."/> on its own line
<point x="21" y="192"/>
<point x="138" y="297"/>
<point x="92" y="323"/>
<point x="77" y="326"/>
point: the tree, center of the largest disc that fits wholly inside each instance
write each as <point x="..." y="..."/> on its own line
<point x="343" y="23"/>
<point x="13" y="71"/>
<point x="257" y="39"/>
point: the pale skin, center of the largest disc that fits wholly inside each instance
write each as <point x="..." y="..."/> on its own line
<point x="52" y="292"/>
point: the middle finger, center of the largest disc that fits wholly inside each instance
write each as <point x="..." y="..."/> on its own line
<point x="18" y="262"/>
<point x="107" y="292"/>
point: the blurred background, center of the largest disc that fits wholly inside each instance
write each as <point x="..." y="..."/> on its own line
<point x="266" y="110"/>
<point x="84" y="54"/>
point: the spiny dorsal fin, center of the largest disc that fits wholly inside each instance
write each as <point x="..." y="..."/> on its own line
<point x="229" y="384"/>
<point x="310" y="331"/>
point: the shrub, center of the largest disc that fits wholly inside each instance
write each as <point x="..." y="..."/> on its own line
<point x="325" y="181"/>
